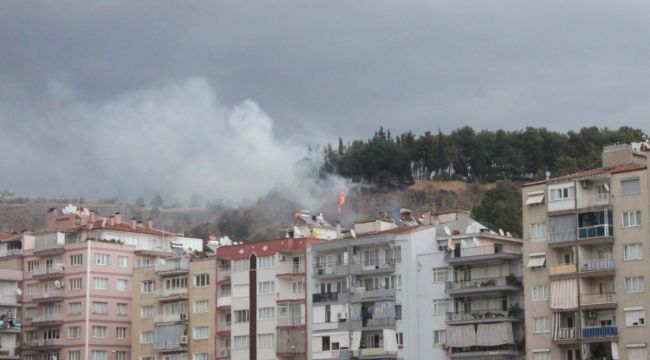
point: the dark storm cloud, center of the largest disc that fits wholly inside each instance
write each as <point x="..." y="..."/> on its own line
<point x="318" y="69"/>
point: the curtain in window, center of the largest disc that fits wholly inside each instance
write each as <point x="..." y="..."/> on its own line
<point x="564" y="294"/>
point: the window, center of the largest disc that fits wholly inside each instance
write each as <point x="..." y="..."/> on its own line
<point x="123" y="261"/>
<point x="100" y="331"/>
<point x="120" y="332"/>
<point x="634" y="317"/>
<point x="202" y="280"/>
<point x="74" y="332"/>
<point x="200" y="333"/>
<point x="398" y="312"/>
<point x="201" y="306"/>
<point x="439" y="337"/>
<point x="142" y="262"/>
<point x="400" y="340"/>
<point x="32" y="266"/>
<point x="633" y="252"/>
<point x="541" y="325"/>
<point x="75" y="284"/>
<point x="440" y="306"/>
<point x="147" y="311"/>
<point x="74" y="355"/>
<point x="120" y="355"/>
<point x="122" y="285"/>
<point x="637" y="352"/>
<point x="76" y="260"/>
<point x="146" y="337"/>
<point x="241" y="316"/>
<point x="540" y="292"/>
<point x="561" y="193"/>
<point x="147" y="358"/>
<point x="298" y="287"/>
<point x="30" y="335"/>
<point x="101" y="283"/>
<point x="630" y="187"/>
<point x="100" y="308"/>
<point x="32" y="289"/>
<point x="200" y="356"/>
<point x="148" y="286"/>
<point x="265" y="287"/>
<point x="98" y="355"/>
<point x="266" y="313"/>
<point x="265" y="341"/>
<point x="440" y="274"/>
<point x="635" y="284"/>
<point x="101" y="259"/>
<point x="240" y="342"/>
<point x="74" y="308"/>
<point x="265" y="262"/>
<point x="179" y="282"/>
<point x="241" y="265"/>
<point x="632" y="218"/>
<point x="542" y="355"/>
<point x="30" y="313"/>
<point x="537" y="230"/>
<point x="122" y="309"/>
<point x="49" y="334"/>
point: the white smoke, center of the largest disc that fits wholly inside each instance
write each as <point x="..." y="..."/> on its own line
<point x="174" y="140"/>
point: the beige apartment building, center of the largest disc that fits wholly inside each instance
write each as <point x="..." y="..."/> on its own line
<point x="11" y="276"/>
<point x="174" y="309"/>
<point x="586" y="260"/>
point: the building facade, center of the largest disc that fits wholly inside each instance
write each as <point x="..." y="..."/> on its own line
<point x="586" y="250"/>
<point x="11" y="277"/>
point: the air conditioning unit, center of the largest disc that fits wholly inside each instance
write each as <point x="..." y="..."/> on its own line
<point x="342" y="315"/>
<point x="283" y="258"/>
<point x="184" y="340"/>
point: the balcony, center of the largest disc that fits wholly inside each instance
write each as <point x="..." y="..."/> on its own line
<point x="50" y="272"/>
<point x="591" y="332"/>
<point x="484" y="316"/>
<point x="332" y="271"/>
<point x="10" y="353"/>
<point x="50" y="344"/>
<point x="597" y="234"/>
<point x="169" y="318"/>
<point x="342" y="297"/>
<point x="10" y="252"/>
<point x="567" y="334"/>
<point x="223" y="327"/>
<point x="290" y="269"/>
<point x="483" y="285"/>
<point x="375" y="267"/>
<point x="377" y="352"/>
<point x="48" y="296"/>
<point x="173" y="267"/>
<point x="361" y="295"/>
<point x="506" y="351"/>
<point x="562" y="238"/>
<point x="223" y="353"/>
<point x="172" y="294"/>
<point x="224" y="301"/>
<point x="49" y="249"/>
<point x="595" y="200"/>
<point x="592" y="268"/>
<point x="11" y="300"/>
<point x="598" y="301"/>
<point x="483" y="254"/>
<point x="11" y="275"/>
<point x="290" y="343"/>
<point x="48" y="320"/>
<point x="563" y="269"/>
<point x="336" y="325"/>
<point x="379" y="323"/>
<point x="288" y="321"/>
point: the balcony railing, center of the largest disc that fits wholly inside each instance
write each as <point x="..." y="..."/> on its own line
<point x="47" y="318"/>
<point x="484" y="314"/>
<point x="566" y="333"/>
<point x="50" y="270"/>
<point x="562" y="236"/>
<point x="171" y="317"/>
<point x="483" y="250"/>
<point x="375" y="293"/>
<point x="50" y="294"/>
<point x="594" y="200"/>
<point x="316" y="298"/>
<point x="484" y="283"/>
<point x="560" y="269"/>
<point x="599" y="331"/>
<point x="335" y="269"/>
<point x="223" y="326"/>
<point x="11" y="252"/>
<point x="380" y="322"/>
<point x="43" y="343"/>
<point x="291" y="268"/>
<point x="325" y="326"/>
<point x="291" y="320"/>
<point x="180" y="265"/>
<point x="598" y="265"/>
<point x="375" y="352"/>
<point x="162" y="293"/>
<point x="12" y="299"/>
<point x="598" y="299"/>
<point x="589" y="232"/>
<point x="223" y="353"/>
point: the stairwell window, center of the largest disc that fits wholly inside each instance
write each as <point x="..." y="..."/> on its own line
<point x="632" y="218"/>
<point x="202" y="280"/>
<point x="633" y="252"/>
<point x="537" y="230"/>
<point x="147" y="311"/>
<point x="201" y="306"/>
<point x="440" y="306"/>
<point x="439" y="337"/>
<point x="146" y="337"/>
<point x="147" y="286"/>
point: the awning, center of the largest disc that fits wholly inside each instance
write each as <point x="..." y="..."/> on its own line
<point x="461" y="336"/>
<point x="536" y="261"/>
<point x="615" y="351"/>
<point x="390" y="340"/>
<point x="564" y="294"/>
<point x="494" y="334"/>
<point x="535" y="200"/>
<point x="356" y="340"/>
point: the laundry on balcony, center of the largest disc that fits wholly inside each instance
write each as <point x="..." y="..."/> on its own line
<point x="564" y="294"/>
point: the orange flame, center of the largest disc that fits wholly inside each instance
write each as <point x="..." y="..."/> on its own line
<point x="342" y="199"/>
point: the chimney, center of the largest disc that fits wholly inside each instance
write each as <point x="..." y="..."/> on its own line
<point x="134" y="223"/>
<point x="111" y="220"/>
<point x="93" y="216"/>
<point x="148" y="223"/>
<point x="118" y="217"/>
<point x="51" y="219"/>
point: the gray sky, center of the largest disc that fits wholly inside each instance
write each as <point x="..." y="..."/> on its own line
<point x="91" y="91"/>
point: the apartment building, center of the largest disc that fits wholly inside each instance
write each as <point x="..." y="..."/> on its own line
<point x="76" y="299"/>
<point x="586" y="250"/>
<point x="372" y="292"/>
<point x="483" y="279"/>
<point x="11" y="277"/>
<point x="261" y="300"/>
<point x="174" y="309"/>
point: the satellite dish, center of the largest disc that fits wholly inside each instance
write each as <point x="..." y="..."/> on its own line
<point x="58" y="284"/>
<point x="162" y="261"/>
<point x="501" y="232"/>
<point x="508" y="234"/>
<point x="447" y="230"/>
<point x="606" y="187"/>
<point x="353" y="233"/>
<point x="19" y="291"/>
<point x="470" y="229"/>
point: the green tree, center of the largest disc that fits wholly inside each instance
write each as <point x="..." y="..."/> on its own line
<point x="501" y="208"/>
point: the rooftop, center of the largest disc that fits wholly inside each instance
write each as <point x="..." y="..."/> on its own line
<point x="590" y="173"/>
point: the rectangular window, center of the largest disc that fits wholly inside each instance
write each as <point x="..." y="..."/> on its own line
<point x="635" y="284"/>
<point x="32" y="266"/>
<point x="440" y="274"/>
<point x="265" y="288"/>
<point x="100" y="331"/>
<point x="201" y="306"/>
<point x="120" y="355"/>
<point x="202" y="280"/>
<point x="633" y="252"/>
<point x="540" y="292"/>
<point x="400" y="340"/>
<point x="120" y="332"/>
<point x="147" y="311"/>
<point x="101" y="283"/>
<point x="76" y="260"/>
<point x="630" y="187"/>
<point x="74" y="355"/>
<point x="265" y="262"/>
<point x="637" y="352"/>
<point x="98" y="355"/>
<point x="142" y="262"/>
<point x="439" y="337"/>
<point x="542" y="355"/>
<point x="398" y="312"/>
<point x="240" y="342"/>
<point x="123" y="261"/>
<point x="561" y="193"/>
<point x="200" y="333"/>
<point x="634" y="317"/>
<point x="75" y="284"/>
<point x="122" y="285"/>
<point x="440" y="306"/>
<point x="241" y="316"/>
<point x="266" y="341"/>
<point x="101" y="259"/>
<point x="241" y="265"/>
<point x="632" y="218"/>
<point x="538" y="230"/>
<point x="298" y="287"/>
<point x="74" y="308"/>
<point x="32" y="289"/>
<point x="200" y="356"/>
<point x="147" y="287"/>
<point x="30" y="313"/>
<point x="146" y="337"/>
<point x="74" y="332"/>
<point x="178" y="282"/>
<point x="265" y="313"/>
<point x="541" y="325"/>
<point x="100" y="307"/>
<point x="122" y="309"/>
